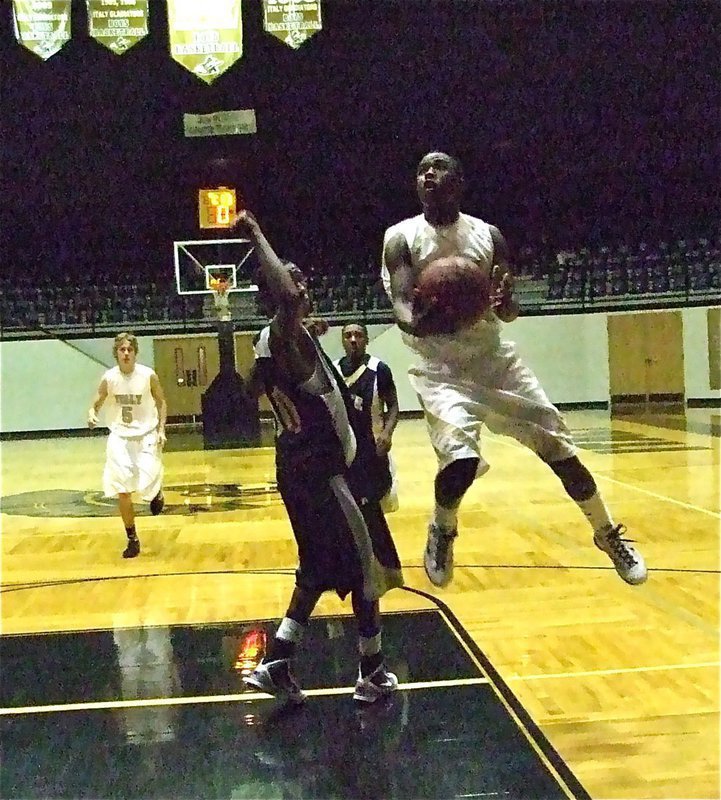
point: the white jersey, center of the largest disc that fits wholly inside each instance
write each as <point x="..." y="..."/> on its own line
<point x="131" y="408"/>
<point x="470" y="378"/>
<point x="467" y="236"/>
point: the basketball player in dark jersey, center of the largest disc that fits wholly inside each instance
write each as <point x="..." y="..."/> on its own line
<point x="331" y="496"/>
<point x="373" y="391"/>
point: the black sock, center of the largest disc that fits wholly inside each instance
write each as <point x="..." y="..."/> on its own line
<point x="280" y="648"/>
<point x="131" y="532"/>
<point x="370" y="663"/>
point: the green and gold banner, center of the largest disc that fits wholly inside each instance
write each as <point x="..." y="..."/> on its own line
<point x="292" y="21"/>
<point x="43" y="26"/>
<point x="118" y="24"/>
<point x="206" y="36"/>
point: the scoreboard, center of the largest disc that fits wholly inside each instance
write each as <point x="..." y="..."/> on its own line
<point x="216" y="207"/>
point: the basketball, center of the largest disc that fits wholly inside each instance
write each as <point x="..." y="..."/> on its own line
<point x="452" y="293"/>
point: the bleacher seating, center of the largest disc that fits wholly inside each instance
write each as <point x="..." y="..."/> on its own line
<point x="647" y="274"/>
<point x="687" y="271"/>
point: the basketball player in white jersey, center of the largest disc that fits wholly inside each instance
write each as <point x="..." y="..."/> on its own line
<point x="136" y="417"/>
<point x="473" y="377"/>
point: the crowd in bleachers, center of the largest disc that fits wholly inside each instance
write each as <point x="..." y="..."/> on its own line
<point x="685" y="270"/>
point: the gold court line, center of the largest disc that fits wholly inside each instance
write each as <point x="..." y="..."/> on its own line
<point x="221" y="698"/>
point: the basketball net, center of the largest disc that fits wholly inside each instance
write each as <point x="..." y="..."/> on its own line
<point x="218" y="287"/>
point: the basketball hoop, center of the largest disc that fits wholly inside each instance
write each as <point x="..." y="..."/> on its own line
<point x="219" y="285"/>
<point x="221" y="270"/>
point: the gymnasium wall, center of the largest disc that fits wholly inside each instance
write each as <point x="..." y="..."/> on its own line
<point x="568" y="353"/>
<point x="48" y="384"/>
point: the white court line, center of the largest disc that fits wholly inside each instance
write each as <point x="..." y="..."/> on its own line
<point x="673" y="500"/>
<point x="219" y="698"/>
<point x="600" y="672"/>
<point x="340" y="690"/>
<point x="601" y="476"/>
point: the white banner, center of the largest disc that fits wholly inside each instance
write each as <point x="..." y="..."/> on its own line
<point x="220" y="123"/>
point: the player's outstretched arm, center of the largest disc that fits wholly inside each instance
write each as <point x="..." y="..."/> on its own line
<point x="504" y="305"/>
<point x="100" y="397"/>
<point x="285" y="292"/>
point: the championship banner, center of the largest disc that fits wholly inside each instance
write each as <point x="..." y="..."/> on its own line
<point x="43" y="26"/>
<point x="118" y="24"/>
<point x="206" y="36"/>
<point x="220" y="123"/>
<point x="292" y="21"/>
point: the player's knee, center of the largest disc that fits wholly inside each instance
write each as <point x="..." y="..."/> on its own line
<point x="453" y="481"/>
<point x="575" y="477"/>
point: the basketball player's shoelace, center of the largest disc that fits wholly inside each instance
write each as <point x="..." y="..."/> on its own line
<point x="442" y="543"/>
<point x="621" y="547"/>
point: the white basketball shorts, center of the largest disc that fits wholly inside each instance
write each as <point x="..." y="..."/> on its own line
<point x="497" y="390"/>
<point x="133" y="465"/>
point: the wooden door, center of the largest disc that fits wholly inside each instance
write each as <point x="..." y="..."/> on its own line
<point x="186" y="365"/>
<point x="626" y="355"/>
<point x="713" y="320"/>
<point x="645" y="353"/>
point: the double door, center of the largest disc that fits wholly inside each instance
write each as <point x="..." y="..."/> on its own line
<point x="646" y="358"/>
<point x="187" y="365"/>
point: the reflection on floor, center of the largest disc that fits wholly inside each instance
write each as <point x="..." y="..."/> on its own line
<point x="162" y="712"/>
<point x="605" y="440"/>
<point x="703" y="421"/>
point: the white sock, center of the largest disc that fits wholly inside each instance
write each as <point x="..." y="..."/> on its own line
<point x="596" y="512"/>
<point x="289" y="630"/>
<point x="445" y="518"/>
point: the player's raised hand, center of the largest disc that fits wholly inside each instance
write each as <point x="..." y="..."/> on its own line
<point x="244" y="220"/>
<point x="504" y="306"/>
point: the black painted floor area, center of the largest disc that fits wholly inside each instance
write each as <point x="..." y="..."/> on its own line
<point x="445" y="734"/>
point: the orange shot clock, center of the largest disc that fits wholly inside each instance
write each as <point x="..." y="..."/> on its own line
<point x="216" y="207"/>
